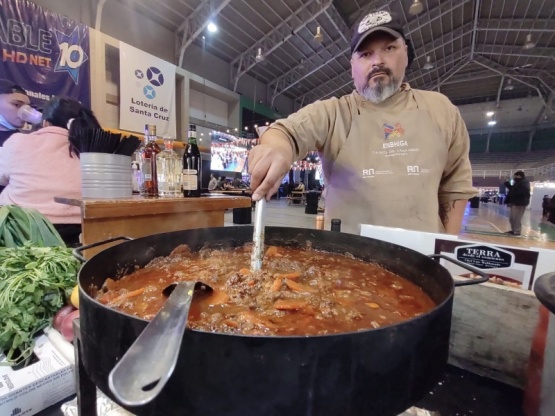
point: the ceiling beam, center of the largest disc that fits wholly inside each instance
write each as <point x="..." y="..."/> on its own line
<point x="437" y="12"/>
<point x="196" y="23"/>
<point x="289" y="27"/>
<point x="537" y="52"/>
<point x="546" y="110"/>
<point x="310" y="65"/>
<point x="315" y="61"/>
<point x="477" y="7"/>
<point x="327" y="88"/>
<point x="502" y="70"/>
<point x="517" y="25"/>
<point x="440" y="42"/>
<point x="499" y="90"/>
<point x="448" y="60"/>
<point x="338" y="23"/>
<point x="373" y="6"/>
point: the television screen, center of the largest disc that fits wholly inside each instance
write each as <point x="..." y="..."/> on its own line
<point x="229" y="153"/>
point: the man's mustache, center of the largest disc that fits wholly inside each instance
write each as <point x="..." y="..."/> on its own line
<point x="385" y="71"/>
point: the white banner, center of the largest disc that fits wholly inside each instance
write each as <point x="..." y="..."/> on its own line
<point x="147" y="91"/>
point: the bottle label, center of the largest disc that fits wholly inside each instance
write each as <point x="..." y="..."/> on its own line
<point x="147" y="169"/>
<point x="190" y="180"/>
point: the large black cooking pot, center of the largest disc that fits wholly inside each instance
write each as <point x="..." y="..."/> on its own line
<point x="378" y="372"/>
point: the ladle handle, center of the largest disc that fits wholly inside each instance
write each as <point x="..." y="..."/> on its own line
<point x="258" y="236"/>
<point x="146" y="367"/>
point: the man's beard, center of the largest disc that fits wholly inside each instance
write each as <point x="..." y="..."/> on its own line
<point x="383" y="89"/>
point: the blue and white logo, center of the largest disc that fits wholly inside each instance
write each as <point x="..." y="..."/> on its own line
<point x="149" y="92"/>
<point x="155" y="76"/>
<point x="139" y="74"/>
<point x="72" y="55"/>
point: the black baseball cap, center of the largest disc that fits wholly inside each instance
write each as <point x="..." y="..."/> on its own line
<point x="380" y="21"/>
<point x="8" y="87"/>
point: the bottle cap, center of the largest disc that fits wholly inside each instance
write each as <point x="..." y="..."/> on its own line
<point x="150" y="129"/>
<point x="192" y="127"/>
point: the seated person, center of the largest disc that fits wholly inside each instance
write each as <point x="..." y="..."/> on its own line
<point x="221" y="183"/>
<point x="38" y="166"/>
<point x="12" y="97"/>
<point x="213" y="182"/>
<point x="237" y="183"/>
<point x="300" y="187"/>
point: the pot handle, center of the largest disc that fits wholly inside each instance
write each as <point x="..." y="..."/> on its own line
<point x="484" y="276"/>
<point x="78" y="252"/>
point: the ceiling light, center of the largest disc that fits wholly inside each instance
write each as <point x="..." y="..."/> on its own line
<point x="259" y="56"/>
<point x="247" y="128"/>
<point x="490" y="113"/>
<point x="509" y="86"/>
<point x="256" y="126"/>
<point x="212" y="28"/>
<point x="416" y="7"/>
<point x="227" y="130"/>
<point x="319" y="37"/>
<point x="492" y="123"/>
<point x="267" y="123"/>
<point x="236" y="129"/>
<point x="529" y="44"/>
<point x="429" y="64"/>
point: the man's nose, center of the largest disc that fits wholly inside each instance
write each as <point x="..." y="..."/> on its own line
<point x="377" y="59"/>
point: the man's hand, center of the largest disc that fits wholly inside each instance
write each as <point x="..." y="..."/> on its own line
<point x="268" y="164"/>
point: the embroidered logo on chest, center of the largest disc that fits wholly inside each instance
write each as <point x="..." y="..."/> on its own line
<point x="393" y="132"/>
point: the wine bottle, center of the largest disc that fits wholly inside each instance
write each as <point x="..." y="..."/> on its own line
<point x="147" y="163"/>
<point x="192" y="165"/>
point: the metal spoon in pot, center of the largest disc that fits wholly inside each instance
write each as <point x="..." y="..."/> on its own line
<point x="258" y="236"/>
<point x="148" y="364"/>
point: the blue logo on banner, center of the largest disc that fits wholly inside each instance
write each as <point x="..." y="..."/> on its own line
<point x="149" y="92"/>
<point x="155" y="76"/>
<point x="72" y="55"/>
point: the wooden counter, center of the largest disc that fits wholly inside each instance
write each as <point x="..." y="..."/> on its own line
<point x="139" y="216"/>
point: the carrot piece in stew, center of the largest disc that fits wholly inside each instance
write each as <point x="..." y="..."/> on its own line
<point x="292" y="275"/>
<point x="125" y="296"/>
<point x="272" y="252"/>
<point x="298" y="287"/>
<point x="276" y="286"/>
<point x="290" y="304"/>
<point x="373" y="305"/>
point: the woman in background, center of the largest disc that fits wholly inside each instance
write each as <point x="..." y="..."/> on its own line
<point x="39" y="166"/>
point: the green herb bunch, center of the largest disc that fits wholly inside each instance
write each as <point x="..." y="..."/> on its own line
<point x="34" y="283"/>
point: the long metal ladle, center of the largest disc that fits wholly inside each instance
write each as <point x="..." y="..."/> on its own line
<point x="148" y="364"/>
<point x="258" y="236"/>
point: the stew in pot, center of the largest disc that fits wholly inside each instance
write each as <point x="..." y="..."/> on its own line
<point x="297" y="292"/>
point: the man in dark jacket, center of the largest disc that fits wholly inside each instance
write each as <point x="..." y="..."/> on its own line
<point x="519" y="198"/>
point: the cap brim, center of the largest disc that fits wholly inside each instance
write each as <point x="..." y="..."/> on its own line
<point x="392" y="32"/>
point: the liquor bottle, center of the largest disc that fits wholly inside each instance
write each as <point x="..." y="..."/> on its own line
<point x="192" y="165"/>
<point x="147" y="162"/>
<point x="168" y="170"/>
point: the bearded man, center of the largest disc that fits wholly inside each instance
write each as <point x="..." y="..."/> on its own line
<point x="391" y="155"/>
